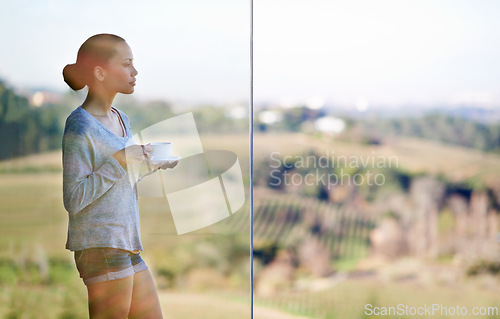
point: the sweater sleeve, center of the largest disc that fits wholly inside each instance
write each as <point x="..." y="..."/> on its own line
<point x="139" y="170"/>
<point x="83" y="183"/>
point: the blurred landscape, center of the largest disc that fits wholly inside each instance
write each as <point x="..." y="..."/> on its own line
<point x="414" y="221"/>
<point x="376" y="154"/>
<point x="38" y="277"/>
<point x="423" y="229"/>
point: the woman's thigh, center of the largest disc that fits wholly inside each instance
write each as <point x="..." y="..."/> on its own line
<point x="145" y="303"/>
<point x="110" y="299"/>
<point x="108" y="274"/>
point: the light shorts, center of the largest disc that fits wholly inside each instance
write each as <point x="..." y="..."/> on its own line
<point x="106" y="263"/>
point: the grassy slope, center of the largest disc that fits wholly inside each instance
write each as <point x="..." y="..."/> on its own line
<point x="414" y="155"/>
<point x="33" y="217"/>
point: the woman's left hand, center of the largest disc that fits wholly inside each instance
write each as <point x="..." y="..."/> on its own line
<point x="169" y="164"/>
<point x="163" y="165"/>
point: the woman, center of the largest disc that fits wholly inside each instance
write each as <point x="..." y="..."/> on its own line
<point x="99" y="195"/>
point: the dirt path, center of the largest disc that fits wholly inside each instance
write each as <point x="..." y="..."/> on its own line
<point x="265" y="313"/>
<point x="191" y="305"/>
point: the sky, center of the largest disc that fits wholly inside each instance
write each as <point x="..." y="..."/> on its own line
<point x="190" y="50"/>
<point x="357" y="53"/>
<point x="388" y="53"/>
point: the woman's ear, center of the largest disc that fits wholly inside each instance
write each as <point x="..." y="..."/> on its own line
<point x="99" y="73"/>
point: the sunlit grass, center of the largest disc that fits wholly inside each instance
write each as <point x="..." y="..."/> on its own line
<point x="38" y="277"/>
<point x="348" y="298"/>
<point x="413" y="155"/>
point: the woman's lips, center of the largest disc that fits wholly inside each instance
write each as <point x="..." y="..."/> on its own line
<point x="132" y="83"/>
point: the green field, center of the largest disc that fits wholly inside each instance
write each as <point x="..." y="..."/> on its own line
<point x="38" y="278"/>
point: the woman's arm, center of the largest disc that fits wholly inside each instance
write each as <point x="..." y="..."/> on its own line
<point x="82" y="183"/>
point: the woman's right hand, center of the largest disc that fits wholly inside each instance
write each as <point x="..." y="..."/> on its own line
<point x="133" y="154"/>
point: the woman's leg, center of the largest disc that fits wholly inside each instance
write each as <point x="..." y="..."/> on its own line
<point x="110" y="299"/>
<point x="145" y="303"/>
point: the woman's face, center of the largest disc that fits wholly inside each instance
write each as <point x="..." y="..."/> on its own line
<point x="120" y="70"/>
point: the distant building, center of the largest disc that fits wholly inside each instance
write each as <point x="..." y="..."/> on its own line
<point x="270" y="117"/>
<point x="237" y="112"/>
<point x="42" y="97"/>
<point x="329" y="125"/>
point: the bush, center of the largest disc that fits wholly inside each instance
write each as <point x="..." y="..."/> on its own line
<point x="484" y="267"/>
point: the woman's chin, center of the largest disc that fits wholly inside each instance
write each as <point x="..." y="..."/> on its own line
<point x="128" y="91"/>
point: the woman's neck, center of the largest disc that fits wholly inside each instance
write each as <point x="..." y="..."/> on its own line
<point x="98" y="103"/>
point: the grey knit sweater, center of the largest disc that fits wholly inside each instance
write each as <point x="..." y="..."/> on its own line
<point x="101" y="201"/>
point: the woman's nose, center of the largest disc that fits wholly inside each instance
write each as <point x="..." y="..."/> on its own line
<point x="134" y="72"/>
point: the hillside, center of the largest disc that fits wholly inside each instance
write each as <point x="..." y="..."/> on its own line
<point x="414" y="155"/>
<point x="417" y="156"/>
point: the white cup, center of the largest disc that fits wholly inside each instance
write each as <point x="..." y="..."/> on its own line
<point x="162" y="150"/>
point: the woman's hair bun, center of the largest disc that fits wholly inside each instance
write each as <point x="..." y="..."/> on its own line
<point x="96" y="50"/>
<point x="74" y="77"/>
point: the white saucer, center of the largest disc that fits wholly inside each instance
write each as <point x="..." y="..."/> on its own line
<point x="168" y="159"/>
